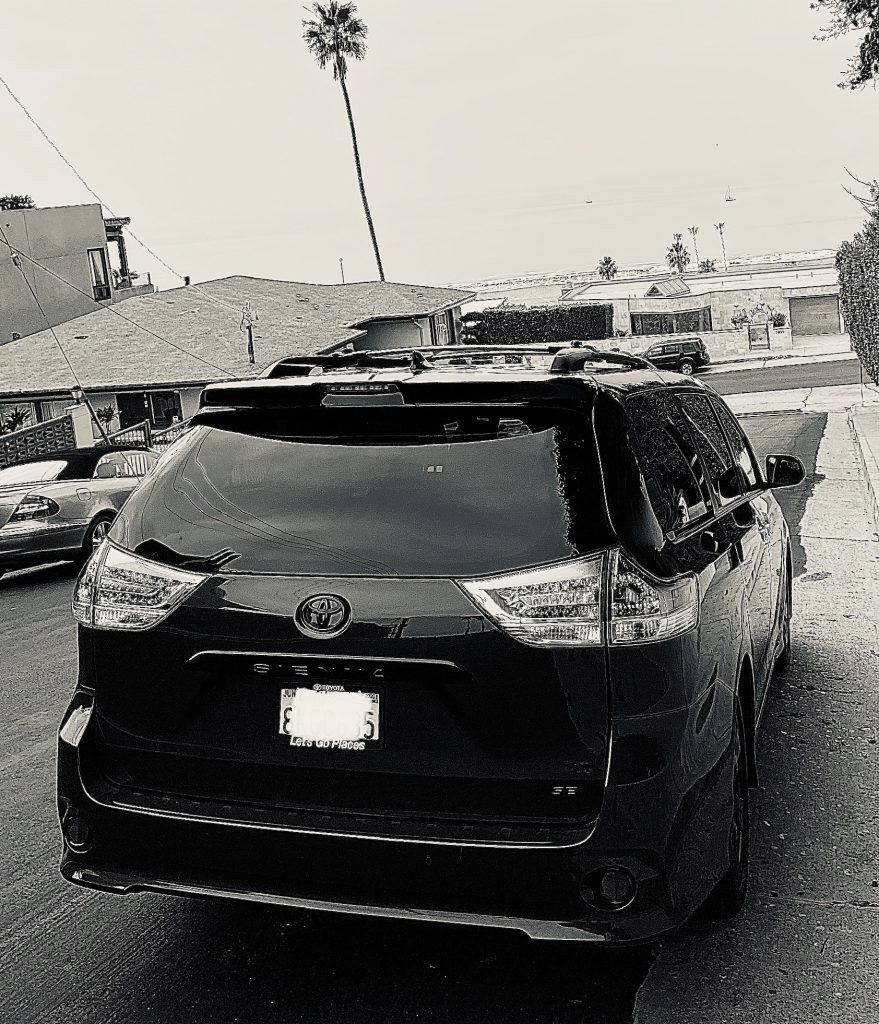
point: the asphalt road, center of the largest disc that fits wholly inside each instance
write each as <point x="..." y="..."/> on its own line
<point x="778" y="375"/>
<point x="76" y="956"/>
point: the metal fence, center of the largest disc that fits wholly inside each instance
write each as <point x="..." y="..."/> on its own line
<point x="143" y="435"/>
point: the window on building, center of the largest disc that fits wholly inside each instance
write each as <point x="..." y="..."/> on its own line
<point x="688" y="321"/>
<point x="100" y="278"/>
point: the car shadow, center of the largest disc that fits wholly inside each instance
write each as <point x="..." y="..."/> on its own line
<point x="261" y="964"/>
<point x="22" y="578"/>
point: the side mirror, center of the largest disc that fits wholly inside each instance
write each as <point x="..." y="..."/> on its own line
<point x="784" y="471"/>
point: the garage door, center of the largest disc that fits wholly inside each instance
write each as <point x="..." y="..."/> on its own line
<point x="816" y="315"/>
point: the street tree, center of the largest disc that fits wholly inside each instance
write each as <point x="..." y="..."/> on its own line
<point x="855" y="16"/>
<point x="13" y="202"/>
<point x="334" y="36"/>
<point x="607" y="269"/>
<point x="677" y="256"/>
<point x="707" y="266"/>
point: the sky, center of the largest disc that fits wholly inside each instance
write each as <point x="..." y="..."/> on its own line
<point x="484" y="127"/>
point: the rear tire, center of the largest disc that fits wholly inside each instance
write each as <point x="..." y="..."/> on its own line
<point x="686" y="367"/>
<point x="729" y="895"/>
<point x="95" y="535"/>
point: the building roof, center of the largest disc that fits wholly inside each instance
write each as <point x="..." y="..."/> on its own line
<point x="109" y="353"/>
<point x="703" y="284"/>
<point x="668" y="286"/>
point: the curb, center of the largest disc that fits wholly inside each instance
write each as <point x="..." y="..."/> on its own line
<point x="867" y="463"/>
<point x="780" y="356"/>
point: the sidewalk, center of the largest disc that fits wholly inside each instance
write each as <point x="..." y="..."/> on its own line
<point x="864" y="422"/>
<point x="811" y="349"/>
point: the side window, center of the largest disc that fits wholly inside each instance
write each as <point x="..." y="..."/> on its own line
<point x="111" y="465"/>
<point x="741" y="449"/>
<point x="669" y="463"/>
<point x="672" y="350"/>
<point x="711" y="442"/>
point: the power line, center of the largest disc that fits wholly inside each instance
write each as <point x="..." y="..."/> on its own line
<point x="111" y="309"/>
<point x="57" y="342"/>
<point x="92" y="192"/>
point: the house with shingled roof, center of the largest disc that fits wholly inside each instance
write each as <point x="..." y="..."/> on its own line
<point x="149" y="357"/>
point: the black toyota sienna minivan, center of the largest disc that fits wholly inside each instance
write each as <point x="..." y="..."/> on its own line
<point x="463" y="635"/>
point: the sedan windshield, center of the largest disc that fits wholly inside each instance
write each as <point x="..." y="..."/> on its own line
<point x="32" y="472"/>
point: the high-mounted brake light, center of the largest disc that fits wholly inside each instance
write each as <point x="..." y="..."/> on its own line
<point x="119" y="590"/>
<point x="583" y="602"/>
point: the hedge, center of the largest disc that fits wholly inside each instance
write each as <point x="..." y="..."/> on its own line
<point x="857" y="263"/>
<point x="519" y="325"/>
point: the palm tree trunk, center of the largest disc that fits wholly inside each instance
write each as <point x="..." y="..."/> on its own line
<point x="378" y="259"/>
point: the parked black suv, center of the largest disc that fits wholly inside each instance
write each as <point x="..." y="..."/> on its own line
<point x="685" y="356"/>
<point x="473" y="636"/>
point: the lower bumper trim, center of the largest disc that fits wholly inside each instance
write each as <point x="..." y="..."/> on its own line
<point x="565" y="931"/>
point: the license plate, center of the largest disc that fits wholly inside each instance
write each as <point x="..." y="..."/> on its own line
<point x="330" y="718"/>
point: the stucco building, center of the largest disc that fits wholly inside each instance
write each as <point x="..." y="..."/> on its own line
<point x="81" y="264"/>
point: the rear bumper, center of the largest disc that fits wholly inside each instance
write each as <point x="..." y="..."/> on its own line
<point x="545" y="891"/>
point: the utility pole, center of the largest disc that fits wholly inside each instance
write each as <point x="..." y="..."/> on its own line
<point x="248" y="317"/>
<point x="342" y="268"/>
<point x="722" y="245"/>
<point x="693" y="231"/>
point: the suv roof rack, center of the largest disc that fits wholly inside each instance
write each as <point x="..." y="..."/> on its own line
<point x="568" y="357"/>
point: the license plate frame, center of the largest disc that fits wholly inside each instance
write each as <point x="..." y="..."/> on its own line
<point x="331" y="717"/>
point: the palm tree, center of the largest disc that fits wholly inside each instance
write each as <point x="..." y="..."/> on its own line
<point x="694" y="231"/>
<point x="607" y="268"/>
<point x="677" y="256"/>
<point x="708" y="267"/>
<point x="333" y="36"/>
<point x="722" y="243"/>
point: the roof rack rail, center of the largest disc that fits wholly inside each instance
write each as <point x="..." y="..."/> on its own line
<point x="568" y="357"/>
<point x="574" y="359"/>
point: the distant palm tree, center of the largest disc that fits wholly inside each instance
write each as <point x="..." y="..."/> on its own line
<point x="708" y="267"/>
<point x="607" y="268"/>
<point x="333" y="36"/>
<point x="695" y="231"/>
<point x="720" y="227"/>
<point x="677" y="256"/>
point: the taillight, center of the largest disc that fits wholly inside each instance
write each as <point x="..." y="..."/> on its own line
<point x="587" y="600"/>
<point x="644" y="608"/>
<point x="558" y="606"/>
<point x="34" y="506"/>
<point x="119" y="590"/>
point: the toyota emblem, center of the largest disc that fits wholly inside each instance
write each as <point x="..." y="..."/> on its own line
<point x="323" y="616"/>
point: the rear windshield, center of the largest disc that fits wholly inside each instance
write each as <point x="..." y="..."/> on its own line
<point x="392" y="492"/>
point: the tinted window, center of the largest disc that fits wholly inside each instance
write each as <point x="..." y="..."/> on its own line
<point x="740" y="448"/>
<point x="712" y="445"/>
<point x="669" y="463"/>
<point x="344" y="492"/>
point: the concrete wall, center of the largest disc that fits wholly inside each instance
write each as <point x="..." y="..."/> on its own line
<point x="57" y="238"/>
<point x="719" y="343"/>
<point x="395" y="334"/>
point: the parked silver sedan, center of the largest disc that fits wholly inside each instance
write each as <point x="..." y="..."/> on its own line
<point x="60" y="506"/>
